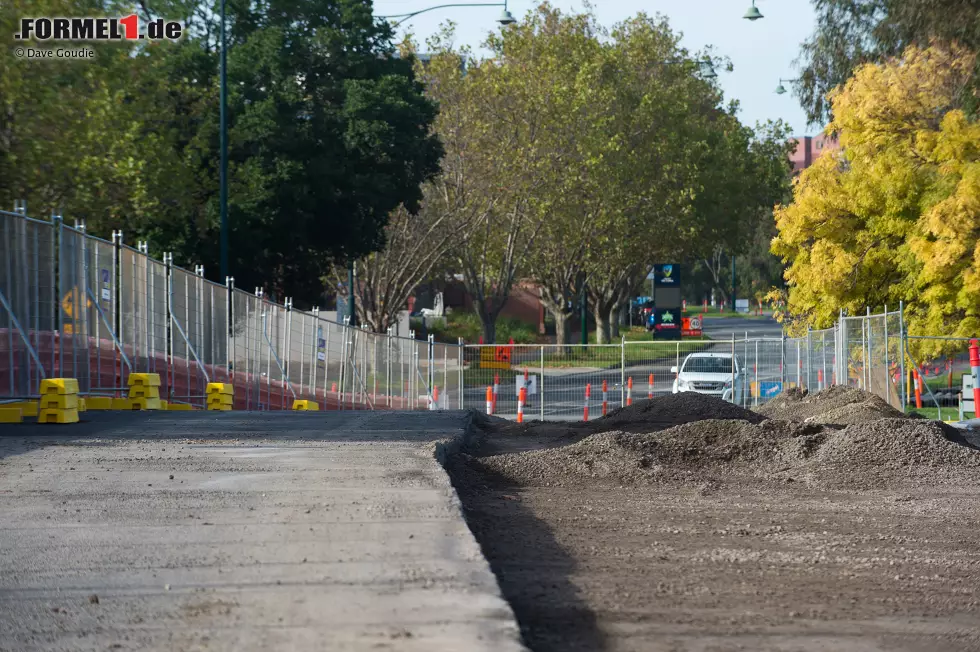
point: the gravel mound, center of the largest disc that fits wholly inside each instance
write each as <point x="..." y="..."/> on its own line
<point x="663" y="412"/>
<point x="869" y="454"/>
<point x="834" y="405"/>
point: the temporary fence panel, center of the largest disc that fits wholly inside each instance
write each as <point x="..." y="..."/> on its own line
<point x="28" y="305"/>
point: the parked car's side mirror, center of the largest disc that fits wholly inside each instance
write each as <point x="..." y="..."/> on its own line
<point x="673" y="370"/>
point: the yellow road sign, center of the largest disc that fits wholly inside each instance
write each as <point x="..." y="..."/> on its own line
<point x="68" y="302"/>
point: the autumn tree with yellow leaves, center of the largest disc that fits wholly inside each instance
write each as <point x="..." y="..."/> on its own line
<point x="895" y="215"/>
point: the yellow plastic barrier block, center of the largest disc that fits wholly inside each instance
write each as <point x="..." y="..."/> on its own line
<point x="59" y="401"/>
<point x="58" y="416"/>
<point x="306" y="406"/>
<point x="221" y="399"/>
<point x="145" y="404"/>
<point x="82" y="405"/>
<point x="220" y="388"/>
<point x="27" y="408"/>
<point x="59" y="386"/>
<point x="98" y="403"/>
<point x="144" y="380"/>
<point x="11" y="415"/>
<point x="219" y="408"/>
<point x="121" y="404"/>
<point x="143" y="391"/>
<point x="179" y="407"/>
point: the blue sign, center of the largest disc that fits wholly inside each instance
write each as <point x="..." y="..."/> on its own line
<point x="666" y="276"/>
<point x="770" y="389"/>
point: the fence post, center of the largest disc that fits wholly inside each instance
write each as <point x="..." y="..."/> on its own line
<point x="782" y="361"/>
<point x="809" y="356"/>
<point x="622" y="372"/>
<point x="901" y="343"/>
<point x="168" y="261"/>
<point x="230" y="330"/>
<point x="59" y="265"/>
<point x="388" y="369"/>
<point x="755" y="376"/>
<point x="430" y="372"/>
<point x="541" y="383"/>
<point x="286" y="349"/>
<point x="733" y="368"/>
<point x="799" y="366"/>
<point x="887" y="371"/>
<point x="462" y="376"/>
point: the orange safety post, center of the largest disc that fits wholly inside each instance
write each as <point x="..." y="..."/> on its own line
<point x="588" y="392"/>
<point x="489" y="399"/>
<point x="333" y="388"/>
<point x="819" y="379"/>
<point x="629" y="391"/>
<point x="435" y="397"/>
<point x="650" y="387"/>
<point x="605" y="396"/>
<point x="520" y="404"/>
<point x="704" y="308"/>
<point x="918" y="388"/>
<point x="975" y="370"/>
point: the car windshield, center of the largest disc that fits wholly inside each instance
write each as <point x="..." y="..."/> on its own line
<point x="708" y="366"/>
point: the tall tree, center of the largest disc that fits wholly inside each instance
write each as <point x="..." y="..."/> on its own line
<point x="852" y="32"/>
<point x="892" y="217"/>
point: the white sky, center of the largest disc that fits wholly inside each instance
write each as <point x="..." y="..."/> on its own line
<point x="761" y="51"/>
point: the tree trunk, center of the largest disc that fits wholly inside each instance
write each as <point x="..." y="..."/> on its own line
<point x="600" y="312"/>
<point x="613" y="317"/>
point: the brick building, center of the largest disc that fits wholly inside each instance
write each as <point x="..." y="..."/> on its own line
<point x="809" y="148"/>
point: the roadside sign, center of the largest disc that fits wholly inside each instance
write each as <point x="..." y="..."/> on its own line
<point x="502" y="354"/>
<point x="532" y="384"/>
<point x="770" y="389"/>
<point x="488" y="358"/>
<point x="691" y="326"/>
<point x="968" y="405"/>
<point x="321" y="344"/>
<point x="68" y="302"/>
<point x="106" y="291"/>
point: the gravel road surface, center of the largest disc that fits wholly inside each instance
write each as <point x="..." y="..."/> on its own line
<point x="240" y="531"/>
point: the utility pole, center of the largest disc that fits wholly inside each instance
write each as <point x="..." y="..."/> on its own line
<point x="734" y="296"/>
<point x="223" y="199"/>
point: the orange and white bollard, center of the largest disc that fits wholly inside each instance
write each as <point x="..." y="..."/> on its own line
<point x="629" y="391"/>
<point x="521" y="397"/>
<point x="605" y="397"/>
<point x="918" y="388"/>
<point x="975" y="370"/>
<point x="704" y="308"/>
<point x="588" y="392"/>
<point x="333" y="388"/>
<point x="819" y="379"/>
<point x="496" y="390"/>
<point x="650" y="387"/>
<point x="489" y="400"/>
<point x="434" y="405"/>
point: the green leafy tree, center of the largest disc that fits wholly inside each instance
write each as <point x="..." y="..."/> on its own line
<point x="892" y="217"/>
<point x="853" y="32"/>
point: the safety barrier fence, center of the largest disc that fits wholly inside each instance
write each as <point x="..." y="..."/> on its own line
<point x="575" y="382"/>
<point x="73" y="305"/>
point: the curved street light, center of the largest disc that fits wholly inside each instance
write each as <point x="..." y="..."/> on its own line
<point x="506" y="18"/>
<point x="753" y="13"/>
<point x="781" y="90"/>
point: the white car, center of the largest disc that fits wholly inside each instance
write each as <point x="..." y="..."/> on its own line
<point x="710" y="373"/>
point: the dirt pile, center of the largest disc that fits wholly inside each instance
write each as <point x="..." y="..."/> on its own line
<point x="878" y="452"/>
<point x="834" y="405"/>
<point x="663" y="412"/>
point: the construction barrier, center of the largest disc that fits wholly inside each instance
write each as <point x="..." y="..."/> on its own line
<point x="629" y="391"/>
<point x="588" y="392"/>
<point x="521" y="397"/>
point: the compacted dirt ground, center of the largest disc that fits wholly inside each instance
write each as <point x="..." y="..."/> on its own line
<point x="823" y="522"/>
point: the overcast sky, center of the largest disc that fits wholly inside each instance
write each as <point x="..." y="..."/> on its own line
<point x="761" y="51"/>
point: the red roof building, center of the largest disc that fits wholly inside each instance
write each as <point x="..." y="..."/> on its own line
<point x="809" y="148"/>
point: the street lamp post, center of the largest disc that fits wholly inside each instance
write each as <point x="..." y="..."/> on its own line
<point x="753" y="13"/>
<point x="781" y="90"/>
<point x="224" y="147"/>
<point x="505" y="17"/>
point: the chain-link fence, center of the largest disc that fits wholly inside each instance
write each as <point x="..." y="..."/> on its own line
<point x="73" y="305"/>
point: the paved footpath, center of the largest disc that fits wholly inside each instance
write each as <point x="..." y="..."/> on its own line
<point x="241" y="531"/>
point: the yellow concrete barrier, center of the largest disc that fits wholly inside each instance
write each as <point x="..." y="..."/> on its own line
<point x="59" y="386"/>
<point x="11" y="415"/>
<point x="27" y="408"/>
<point x="121" y="404"/>
<point x="98" y="402"/>
<point x="144" y="380"/>
<point x="306" y="406"/>
<point x="58" y="416"/>
<point x="179" y="407"/>
<point x="59" y="402"/>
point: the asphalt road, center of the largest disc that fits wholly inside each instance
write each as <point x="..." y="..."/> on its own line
<point x="240" y="531"/>
<point x="563" y="390"/>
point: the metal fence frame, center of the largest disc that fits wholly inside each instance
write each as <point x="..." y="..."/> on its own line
<point x="73" y="305"/>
